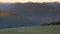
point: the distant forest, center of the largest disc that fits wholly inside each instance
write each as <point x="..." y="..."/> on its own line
<point x="30" y="6"/>
<point x="52" y="23"/>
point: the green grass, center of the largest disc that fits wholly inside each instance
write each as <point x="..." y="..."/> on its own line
<point x="32" y="30"/>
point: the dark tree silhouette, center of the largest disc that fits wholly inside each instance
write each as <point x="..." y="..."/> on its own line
<point x="51" y="23"/>
<point x="55" y="23"/>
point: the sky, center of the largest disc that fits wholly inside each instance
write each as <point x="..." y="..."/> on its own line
<point x="29" y="1"/>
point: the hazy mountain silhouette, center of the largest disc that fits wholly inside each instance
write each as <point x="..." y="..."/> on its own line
<point x="34" y="12"/>
<point x="37" y="11"/>
<point x="8" y="19"/>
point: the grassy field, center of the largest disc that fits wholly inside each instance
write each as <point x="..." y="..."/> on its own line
<point x="32" y="30"/>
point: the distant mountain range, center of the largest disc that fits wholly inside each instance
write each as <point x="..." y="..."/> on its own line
<point x="32" y="13"/>
<point x="7" y="6"/>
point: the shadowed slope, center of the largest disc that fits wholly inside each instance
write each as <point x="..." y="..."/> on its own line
<point x="8" y="19"/>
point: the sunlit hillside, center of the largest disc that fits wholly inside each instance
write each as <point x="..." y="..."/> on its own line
<point x="4" y="13"/>
<point x="9" y="14"/>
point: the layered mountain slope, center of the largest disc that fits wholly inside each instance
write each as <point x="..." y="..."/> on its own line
<point x="37" y="11"/>
<point x="8" y="19"/>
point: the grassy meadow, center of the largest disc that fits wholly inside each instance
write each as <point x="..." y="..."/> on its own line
<point x="53" y="29"/>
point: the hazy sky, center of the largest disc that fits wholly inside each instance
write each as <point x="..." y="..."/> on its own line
<point x="29" y="0"/>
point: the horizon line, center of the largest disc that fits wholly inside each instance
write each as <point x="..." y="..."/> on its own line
<point x="31" y="2"/>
